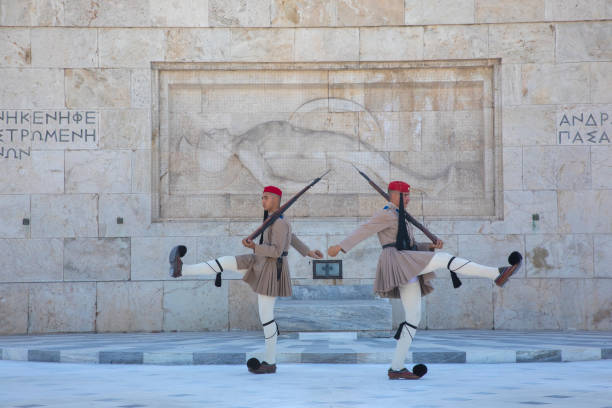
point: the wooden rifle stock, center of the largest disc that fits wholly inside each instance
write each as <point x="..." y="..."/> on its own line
<point x="274" y="216"/>
<point x="412" y="220"/>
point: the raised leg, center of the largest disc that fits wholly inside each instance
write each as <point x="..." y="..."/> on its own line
<point x="212" y="267"/>
<point x="466" y="267"/>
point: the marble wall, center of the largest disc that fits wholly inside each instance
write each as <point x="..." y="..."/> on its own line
<point x="228" y="130"/>
<point x="83" y="232"/>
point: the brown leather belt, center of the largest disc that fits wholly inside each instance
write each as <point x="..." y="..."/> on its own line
<point x="413" y="248"/>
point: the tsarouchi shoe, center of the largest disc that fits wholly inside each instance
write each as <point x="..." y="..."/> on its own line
<point x="417" y="372"/>
<point x="505" y="272"/>
<point x="176" y="264"/>
<point x="256" y="367"/>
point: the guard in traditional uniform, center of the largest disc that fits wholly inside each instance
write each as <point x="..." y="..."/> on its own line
<point x="266" y="270"/>
<point x="405" y="269"/>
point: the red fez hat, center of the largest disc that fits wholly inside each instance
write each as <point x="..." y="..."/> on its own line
<point x="399" y="186"/>
<point x="273" y="190"/>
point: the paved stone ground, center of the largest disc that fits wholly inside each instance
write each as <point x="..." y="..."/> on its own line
<point x="453" y="346"/>
<point x="48" y="385"/>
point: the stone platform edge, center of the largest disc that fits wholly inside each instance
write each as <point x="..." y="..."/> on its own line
<point x="207" y="358"/>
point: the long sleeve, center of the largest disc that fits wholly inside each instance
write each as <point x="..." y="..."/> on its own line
<point x="300" y="246"/>
<point x="279" y="234"/>
<point x="423" y="246"/>
<point x="377" y="223"/>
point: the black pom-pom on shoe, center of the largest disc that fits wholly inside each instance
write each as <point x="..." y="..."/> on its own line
<point x="253" y="363"/>
<point x="176" y="264"/>
<point x="177" y="251"/>
<point x="515" y="258"/>
<point x="419" y="369"/>
<point x="505" y="272"/>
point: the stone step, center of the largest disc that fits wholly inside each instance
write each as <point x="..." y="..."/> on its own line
<point x="236" y="347"/>
<point x="372" y="315"/>
<point x="328" y="336"/>
<point x="333" y="292"/>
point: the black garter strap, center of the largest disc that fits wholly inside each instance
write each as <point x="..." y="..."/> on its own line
<point x="454" y="277"/>
<point x="218" y="277"/>
<point x="398" y="333"/>
<point x="449" y="264"/>
<point x="276" y="324"/>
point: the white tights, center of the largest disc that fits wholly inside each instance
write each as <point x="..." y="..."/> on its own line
<point x="211" y="267"/>
<point x="410" y="295"/>
<point x="266" y="315"/>
<point x="460" y="265"/>
<point x="265" y="303"/>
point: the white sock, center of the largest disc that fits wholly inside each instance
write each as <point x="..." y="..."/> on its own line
<point x="410" y="295"/>
<point x="266" y="314"/>
<point x="210" y="267"/>
<point x="460" y="265"/>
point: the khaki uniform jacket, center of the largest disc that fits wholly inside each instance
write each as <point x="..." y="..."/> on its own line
<point x="395" y="268"/>
<point x="261" y="266"/>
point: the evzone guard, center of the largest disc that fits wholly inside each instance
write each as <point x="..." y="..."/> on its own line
<point x="405" y="268"/>
<point x="266" y="270"/>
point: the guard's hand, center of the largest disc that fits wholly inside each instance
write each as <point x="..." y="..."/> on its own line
<point x="334" y="250"/>
<point x="438" y="245"/>
<point x="316" y="254"/>
<point x="248" y="243"/>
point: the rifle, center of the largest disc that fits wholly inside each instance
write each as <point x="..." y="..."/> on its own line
<point x="411" y="219"/>
<point x="274" y="216"/>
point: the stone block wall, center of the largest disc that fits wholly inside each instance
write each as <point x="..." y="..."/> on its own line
<point x="81" y="251"/>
